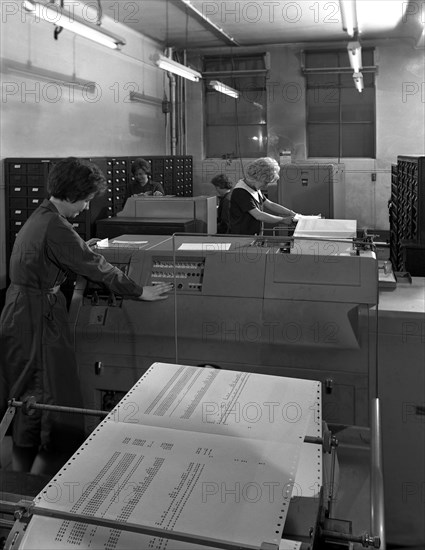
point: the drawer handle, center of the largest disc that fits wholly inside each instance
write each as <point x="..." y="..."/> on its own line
<point x="98" y="368"/>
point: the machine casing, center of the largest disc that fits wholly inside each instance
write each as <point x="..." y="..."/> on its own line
<point x="239" y="304"/>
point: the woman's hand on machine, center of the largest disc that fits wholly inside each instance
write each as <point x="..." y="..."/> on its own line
<point x="92" y="242"/>
<point x="154" y="293"/>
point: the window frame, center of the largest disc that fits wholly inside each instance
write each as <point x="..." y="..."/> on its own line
<point x="233" y="75"/>
<point x="340" y="71"/>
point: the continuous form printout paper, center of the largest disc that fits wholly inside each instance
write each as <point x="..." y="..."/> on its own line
<point x="197" y="450"/>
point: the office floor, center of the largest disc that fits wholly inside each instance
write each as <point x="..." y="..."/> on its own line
<point x="353" y="498"/>
<point x="14" y="486"/>
<point x="353" y="495"/>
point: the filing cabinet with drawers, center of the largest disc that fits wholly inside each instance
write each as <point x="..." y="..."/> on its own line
<point x="407" y="215"/>
<point x="26" y="179"/>
<point x="25" y="186"/>
<point x="25" y="183"/>
<point x="117" y="176"/>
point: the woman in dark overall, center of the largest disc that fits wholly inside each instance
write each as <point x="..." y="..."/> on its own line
<point x="223" y="188"/>
<point x="36" y="352"/>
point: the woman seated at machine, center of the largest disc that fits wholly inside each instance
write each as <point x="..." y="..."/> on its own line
<point x="223" y="187"/>
<point x="143" y="184"/>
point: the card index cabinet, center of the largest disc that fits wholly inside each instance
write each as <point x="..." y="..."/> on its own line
<point x="26" y="179"/>
<point x="25" y="186"/>
<point x="407" y="215"/>
<point x="117" y="175"/>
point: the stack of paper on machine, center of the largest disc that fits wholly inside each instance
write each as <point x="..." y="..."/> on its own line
<point x="133" y="241"/>
<point x="208" y="452"/>
<point x="324" y="237"/>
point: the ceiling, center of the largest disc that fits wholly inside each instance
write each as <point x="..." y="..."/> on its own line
<point x="194" y="24"/>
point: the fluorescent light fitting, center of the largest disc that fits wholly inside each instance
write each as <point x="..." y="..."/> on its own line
<point x="358" y="81"/>
<point x="349" y="16"/>
<point x="222" y="88"/>
<point x="34" y="72"/>
<point x="355" y="55"/>
<point x="173" y="67"/>
<point x="142" y="98"/>
<point x="52" y="13"/>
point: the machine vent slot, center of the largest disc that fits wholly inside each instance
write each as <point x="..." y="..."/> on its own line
<point x="99" y="294"/>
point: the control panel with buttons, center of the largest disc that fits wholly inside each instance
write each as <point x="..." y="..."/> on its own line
<point x="185" y="273"/>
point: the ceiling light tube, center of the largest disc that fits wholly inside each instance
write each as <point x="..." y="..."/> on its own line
<point x="52" y="13"/>
<point x="168" y="64"/>
<point x="222" y="88"/>
<point x="355" y="55"/>
<point x="143" y="98"/>
<point x="349" y="16"/>
<point x="31" y="71"/>
<point x="358" y="81"/>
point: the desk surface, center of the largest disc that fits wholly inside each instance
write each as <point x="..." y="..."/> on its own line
<point x="407" y="297"/>
<point x="145" y="221"/>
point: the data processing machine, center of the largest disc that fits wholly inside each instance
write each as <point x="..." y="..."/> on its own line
<point x="242" y="303"/>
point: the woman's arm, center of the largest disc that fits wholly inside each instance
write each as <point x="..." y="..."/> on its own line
<point x="265" y="217"/>
<point x="278" y="209"/>
<point x="157" y="189"/>
<point x="69" y="251"/>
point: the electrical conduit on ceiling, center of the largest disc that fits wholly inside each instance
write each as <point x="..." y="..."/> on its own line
<point x="173" y="121"/>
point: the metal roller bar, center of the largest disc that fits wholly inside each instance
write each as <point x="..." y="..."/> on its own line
<point x="365" y="540"/>
<point x="377" y="520"/>
<point x="28" y="509"/>
<point x="31" y="404"/>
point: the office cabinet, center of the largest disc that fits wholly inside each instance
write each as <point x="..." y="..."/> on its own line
<point x="407" y="215"/>
<point x="26" y="180"/>
<point x="26" y="188"/>
<point x="182" y="176"/>
<point x="174" y="173"/>
<point x="313" y="188"/>
<point x="117" y="173"/>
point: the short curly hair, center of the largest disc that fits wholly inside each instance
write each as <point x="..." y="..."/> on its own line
<point x="140" y="164"/>
<point x="222" y="181"/>
<point x="263" y="170"/>
<point x="75" y="179"/>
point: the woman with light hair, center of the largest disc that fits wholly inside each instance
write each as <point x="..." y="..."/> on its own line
<point x="248" y="203"/>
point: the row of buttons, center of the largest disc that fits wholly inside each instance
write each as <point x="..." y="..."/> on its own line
<point x="171" y="265"/>
<point x="178" y="275"/>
